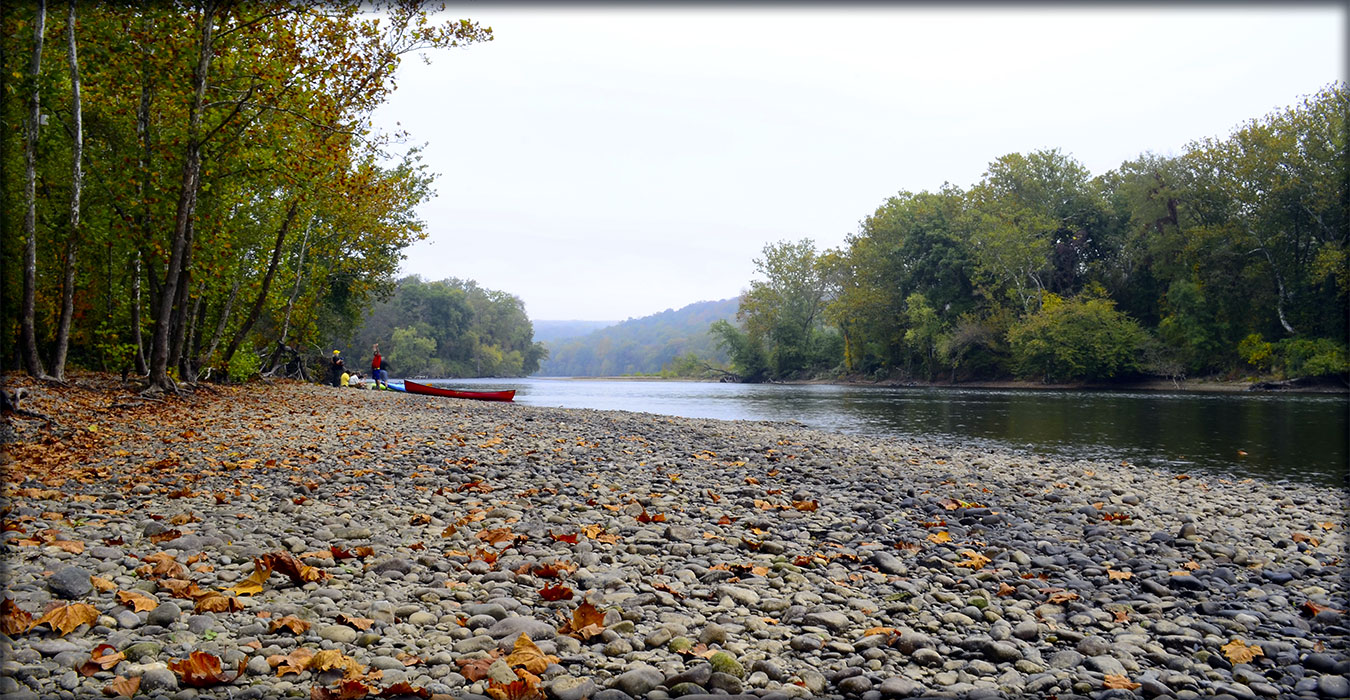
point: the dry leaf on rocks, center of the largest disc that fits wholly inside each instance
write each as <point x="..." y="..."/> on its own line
<point x="333" y="659"/>
<point x="253" y="585"/>
<point x="527" y="654"/>
<point x="554" y="593"/>
<point x="290" y="622"/>
<point x="102" y="584"/>
<point x="137" y="601"/>
<point x="974" y="560"/>
<point x="216" y="602"/>
<point x="285" y="563"/>
<point x="102" y="658"/>
<point x="346" y="690"/>
<point x="476" y="669"/>
<point x="122" y="687"/>
<point x="1240" y="652"/>
<point x="65" y="618"/>
<point x="587" y="621"/>
<point x="14" y="620"/>
<point x="1121" y="682"/>
<point x="294" y="662"/>
<point x="201" y="670"/>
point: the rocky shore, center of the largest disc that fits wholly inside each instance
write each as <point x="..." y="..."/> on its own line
<point x="317" y="542"/>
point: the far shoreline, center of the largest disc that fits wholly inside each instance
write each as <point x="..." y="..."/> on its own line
<point x="1211" y="386"/>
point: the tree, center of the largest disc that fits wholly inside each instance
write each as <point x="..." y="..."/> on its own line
<point x="782" y="312"/>
<point x="76" y="186"/>
<point x="1081" y="338"/>
<point x="28" y="331"/>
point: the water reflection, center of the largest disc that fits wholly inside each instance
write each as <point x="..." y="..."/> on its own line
<point x="1297" y="437"/>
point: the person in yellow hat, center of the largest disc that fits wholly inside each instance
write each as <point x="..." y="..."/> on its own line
<point x="337" y="369"/>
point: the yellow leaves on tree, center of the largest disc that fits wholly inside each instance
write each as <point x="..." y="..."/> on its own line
<point x="587" y="621"/>
<point x="201" y="670"/>
<point x="1239" y="652"/>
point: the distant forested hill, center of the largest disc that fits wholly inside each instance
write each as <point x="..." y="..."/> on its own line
<point x="642" y="345"/>
<point x="555" y="331"/>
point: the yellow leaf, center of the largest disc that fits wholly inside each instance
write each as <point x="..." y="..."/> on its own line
<point x="974" y="560"/>
<point x="1240" y="652"/>
<point x="252" y="585"/>
<point x="102" y="584"/>
<point x="1118" y="575"/>
<point x="525" y="653"/>
<point x="939" y="537"/>
<point x="1121" y="682"/>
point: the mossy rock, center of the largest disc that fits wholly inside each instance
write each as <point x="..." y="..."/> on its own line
<point x="680" y="645"/>
<point x="980" y="603"/>
<point x="687" y="688"/>
<point x="723" y="662"/>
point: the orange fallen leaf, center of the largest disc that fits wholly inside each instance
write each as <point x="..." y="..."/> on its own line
<point x="14" y="620"/>
<point x="554" y="593"/>
<point x="201" y="670"/>
<point x="587" y="621"/>
<point x="361" y="623"/>
<point x="295" y="662"/>
<point x="1005" y="590"/>
<point x="974" y="560"/>
<point x="137" y="601"/>
<point x="939" y="537"/>
<point x="290" y="622"/>
<point x="1121" y="682"/>
<point x="1114" y="575"/>
<point x="217" y="602"/>
<point x="122" y="687"/>
<point x="65" y="618"/>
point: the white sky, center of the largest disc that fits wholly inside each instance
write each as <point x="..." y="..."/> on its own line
<point x="606" y="163"/>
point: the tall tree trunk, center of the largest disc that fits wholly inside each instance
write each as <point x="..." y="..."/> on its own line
<point x="253" y="313"/>
<point x="142" y="213"/>
<point x="141" y="368"/>
<point x="187" y="366"/>
<point x="180" y="322"/>
<point x="27" y="323"/>
<point x="187" y="204"/>
<point x="76" y="184"/>
<point x="290" y="303"/>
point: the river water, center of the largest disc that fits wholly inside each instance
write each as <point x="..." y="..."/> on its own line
<point x="1299" y="437"/>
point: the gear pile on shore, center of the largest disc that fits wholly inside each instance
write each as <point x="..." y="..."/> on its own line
<point x="304" y="541"/>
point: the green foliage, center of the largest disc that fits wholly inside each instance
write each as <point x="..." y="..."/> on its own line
<point x="244" y="366"/>
<point x="1312" y="357"/>
<point x="449" y="328"/>
<point x="1080" y="338"/>
<point x="748" y="358"/>
<point x="1256" y="352"/>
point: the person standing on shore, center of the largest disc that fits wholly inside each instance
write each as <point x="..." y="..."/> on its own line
<point x="337" y="368"/>
<point x="376" y="365"/>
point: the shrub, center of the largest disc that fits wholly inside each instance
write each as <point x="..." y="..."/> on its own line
<point x="1082" y="338"/>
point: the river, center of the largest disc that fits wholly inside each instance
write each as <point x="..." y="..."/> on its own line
<point x="1299" y="437"/>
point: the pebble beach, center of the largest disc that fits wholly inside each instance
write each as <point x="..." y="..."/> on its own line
<point x="316" y="541"/>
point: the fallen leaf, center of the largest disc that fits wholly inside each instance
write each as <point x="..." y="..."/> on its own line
<point x="1313" y="609"/>
<point x="361" y="623"/>
<point x="1062" y="597"/>
<point x="587" y="621"/>
<point x="527" y="654"/>
<point x="14" y="620"/>
<point x="334" y="659"/>
<point x="212" y="601"/>
<point x="201" y="670"/>
<point x="102" y="584"/>
<point x="66" y="618"/>
<point x="290" y="622"/>
<point x="1114" y="575"/>
<point x="102" y="658"/>
<point x="878" y="630"/>
<point x="1121" y="682"/>
<point x="806" y="506"/>
<point x="554" y="593"/>
<point x="1005" y="590"/>
<point x="939" y="537"/>
<point x="285" y="563"/>
<point x="137" y="601"/>
<point x="122" y="687"/>
<point x="476" y="669"/>
<point x="347" y="689"/>
<point x="1240" y="652"/>
<point x="295" y="662"/>
<point x="974" y="560"/>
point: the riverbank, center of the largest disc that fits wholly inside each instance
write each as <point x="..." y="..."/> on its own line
<point x="746" y="557"/>
<point x="1202" y="385"/>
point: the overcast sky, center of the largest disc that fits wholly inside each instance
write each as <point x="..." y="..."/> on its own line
<point x="608" y="163"/>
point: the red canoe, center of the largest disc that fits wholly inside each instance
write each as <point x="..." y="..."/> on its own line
<point x="415" y="388"/>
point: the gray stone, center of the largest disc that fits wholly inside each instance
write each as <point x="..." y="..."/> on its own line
<point x="740" y="594"/>
<point x="637" y="681"/>
<point x="713" y="634"/>
<point x="70" y="582"/>
<point x="831" y="619"/>
<point x="898" y="687"/>
<point x="855" y="685"/>
<point x="570" y="688"/>
<point x="725" y="682"/>
<point x="398" y="564"/>
<point x="698" y="674"/>
<point x="1334" y="686"/>
<point x="889" y="563"/>
<point x="156" y="679"/>
<point x="52" y="647"/>
<point x="258" y="666"/>
<point x="1003" y="652"/>
<point x="513" y="626"/>
<point x="1106" y="664"/>
<point x="341" y="634"/>
<point x="927" y="657"/>
<point x="164" y="614"/>
<point x="1067" y="658"/>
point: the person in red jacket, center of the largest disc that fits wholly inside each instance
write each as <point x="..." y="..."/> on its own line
<point x="377" y="374"/>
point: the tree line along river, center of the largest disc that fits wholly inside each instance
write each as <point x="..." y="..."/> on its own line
<point x="1299" y="437"/>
